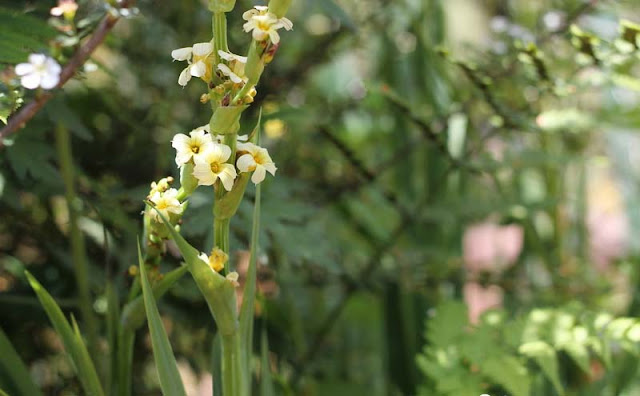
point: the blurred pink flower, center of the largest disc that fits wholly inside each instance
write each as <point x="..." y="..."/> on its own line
<point x="480" y="299"/>
<point x="608" y="237"/>
<point x="490" y="247"/>
<point x="607" y="220"/>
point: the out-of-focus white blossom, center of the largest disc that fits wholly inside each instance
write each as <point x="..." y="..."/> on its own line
<point x="40" y="71"/>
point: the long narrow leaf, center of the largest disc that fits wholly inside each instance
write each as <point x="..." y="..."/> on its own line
<point x="14" y="368"/>
<point x="248" y="298"/>
<point x="166" y="365"/>
<point x="133" y="313"/>
<point x="266" y="380"/>
<point x="216" y="365"/>
<point x="73" y="343"/>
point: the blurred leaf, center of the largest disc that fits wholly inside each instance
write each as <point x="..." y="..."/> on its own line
<point x="73" y="343"/>
<point x="13" y="368"/>
<point x="60" y="113"/>
<point x="170" y="380"/>
<point x="509" y="372"/>
<point x="21" y="35"/>
<point x="30" y="155"/>
<point x="335" y="11"/>
<point x="545" y="356"/>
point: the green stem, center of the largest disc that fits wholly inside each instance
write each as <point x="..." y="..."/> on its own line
<point x="221" y="234"/>
<point x="233" y="383"/>
<point x="78" y="252"/>
<point x="220" y="33"/>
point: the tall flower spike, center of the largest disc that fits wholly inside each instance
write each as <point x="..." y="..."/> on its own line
<point x="211" y="166"/>
<point x="40" y="71"/>
<point x="188" y="147"/>
<point x="166" y="202"/>
<point x="235" y="69"/>
<point x="264" y="24"/>
<point x="200" y="61"/>
<point x="256" y="160"/>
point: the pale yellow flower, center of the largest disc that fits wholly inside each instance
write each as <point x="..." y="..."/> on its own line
<point x="233" y="278"/>
<point x="235" y="68"/>
<point x="166" y="202"/>
<point x="200" y="61"/>
<point x="211" y="166"/>
<point x="216" y="260"/>
<point x="188" y="147"/>
<point x="257" y="160"/>
<point x="264" y="24"/>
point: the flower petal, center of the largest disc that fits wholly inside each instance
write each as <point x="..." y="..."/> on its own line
<point x="202" y="49"/>
<point x="202" y="172"/>
<point x="246" y="163"/>
<point x="271" y="168"/>
<point x="185" y="76"/>
<point x="198" y="69"/>
<point x="274" y="36"/>
<point x="30" y="81"/>
<point x="258" y="174"/>
<point x="182" y="54"/>
<point x="227" y="176"/>
<point x="49" y="80"/>
<point x="37" y="59"/>
<point x="24" y="68"/>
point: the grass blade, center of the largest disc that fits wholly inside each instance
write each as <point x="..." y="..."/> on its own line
<point x="166" y="365"/>
<point x="71" y="339"/>
<point x="133" y="315"/>
<point x="266" y="380"/>
<point x="249" y="294"/>
<point x="16" y="371"/>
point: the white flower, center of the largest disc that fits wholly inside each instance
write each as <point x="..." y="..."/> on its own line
<point x="264" y="24"/>
<point x="256" y="160"/>
<point x="211" y="166"/>
<point x="235" y="69"/>
<point x="41" y="71"/>
<point x="233" y="278"/>
<point x="165" y="202"/>
<point x="67" y="8"/>
<point x="199" y="59"/>
<point x="195" y="144"/>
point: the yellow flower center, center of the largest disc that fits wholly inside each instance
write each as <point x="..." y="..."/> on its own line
<point x="195" y="148"/>
<point x="264" y="25"/>
<point x="215" y="167"/>
<point x="162" y="204"/>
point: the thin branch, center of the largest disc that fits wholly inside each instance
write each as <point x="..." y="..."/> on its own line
<point x="20" y="119"/>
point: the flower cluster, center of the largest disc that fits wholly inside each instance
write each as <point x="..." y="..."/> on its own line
<point x="264" y="24"/>
<point x="209" y="157"/>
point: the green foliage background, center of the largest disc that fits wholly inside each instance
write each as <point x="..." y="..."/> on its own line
<point x="381" y="139"/>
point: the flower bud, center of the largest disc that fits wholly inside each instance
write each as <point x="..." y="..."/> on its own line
<point x="221" y="5"/>
<point x="279" y="7"/>
<point x="187" y="181"/>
